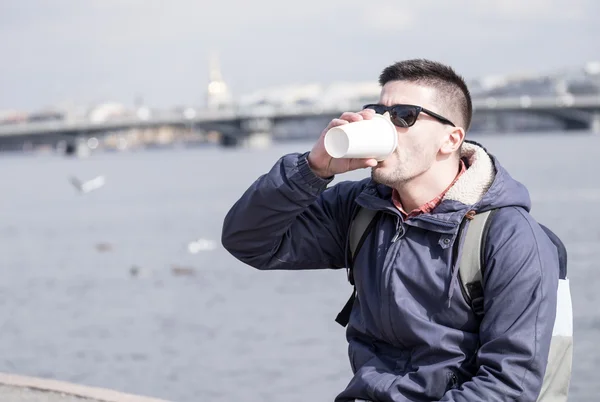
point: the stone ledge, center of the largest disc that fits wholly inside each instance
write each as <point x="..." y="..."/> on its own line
<point x="24" y="389"/>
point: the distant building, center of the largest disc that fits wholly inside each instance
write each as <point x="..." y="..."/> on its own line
<point x="107" y="111"/>
<point x="575" y="81"/>
<point x="12" y="116"/>
<point x="345" y="95"/>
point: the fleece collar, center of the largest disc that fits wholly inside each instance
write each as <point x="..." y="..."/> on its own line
<point x="472" y="185"/>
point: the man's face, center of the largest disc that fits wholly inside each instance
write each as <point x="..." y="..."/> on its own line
<point x="419" y="144"/>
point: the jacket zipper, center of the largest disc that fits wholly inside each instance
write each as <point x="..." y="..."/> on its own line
<point x="386" y="277"/>
<point x="399" y="230"/>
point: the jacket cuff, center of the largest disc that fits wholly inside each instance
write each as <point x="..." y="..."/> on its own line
<point x="317" y="183"/>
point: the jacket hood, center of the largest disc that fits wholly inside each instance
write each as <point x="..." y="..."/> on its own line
<point x="486" y="184"/>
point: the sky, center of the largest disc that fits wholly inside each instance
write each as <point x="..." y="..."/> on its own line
<point x="75" y="52"/>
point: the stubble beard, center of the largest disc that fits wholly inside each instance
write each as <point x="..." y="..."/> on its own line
<point x="392" y="179"/>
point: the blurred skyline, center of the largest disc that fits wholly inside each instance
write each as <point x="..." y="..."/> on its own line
<point x="75" y="52"/>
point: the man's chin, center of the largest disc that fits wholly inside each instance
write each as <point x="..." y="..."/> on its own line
<point x="383" y="174"/>
<point x="377" y="174"/>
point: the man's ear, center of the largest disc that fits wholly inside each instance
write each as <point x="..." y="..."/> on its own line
<point x="453" y="138"/>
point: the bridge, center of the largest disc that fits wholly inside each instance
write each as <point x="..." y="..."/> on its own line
<point x="575" y="112"/>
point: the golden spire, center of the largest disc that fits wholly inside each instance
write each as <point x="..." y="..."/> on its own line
<point x="217" y="95"/>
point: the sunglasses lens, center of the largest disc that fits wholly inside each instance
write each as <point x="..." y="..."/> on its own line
<point x="401" y="115"/>
<point x="404" y="116"/>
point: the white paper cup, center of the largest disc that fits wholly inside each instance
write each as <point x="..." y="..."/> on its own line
<point x="374" y="138"/>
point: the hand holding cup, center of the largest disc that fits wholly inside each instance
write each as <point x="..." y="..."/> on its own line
<point x="353" y="141"/>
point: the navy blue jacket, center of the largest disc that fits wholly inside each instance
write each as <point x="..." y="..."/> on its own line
<point x="412" y="336"/>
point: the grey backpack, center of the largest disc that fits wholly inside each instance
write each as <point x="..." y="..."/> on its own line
<point x="474" y="230"/>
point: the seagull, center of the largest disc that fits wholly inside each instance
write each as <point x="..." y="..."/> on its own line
<point x="201" y="245"/>
<point x="180" y="270"/>
<point x="135" y="271"/>
<point x="89" y="185"/>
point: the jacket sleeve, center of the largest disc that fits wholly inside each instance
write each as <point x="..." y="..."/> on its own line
<point x="287" y="219"/>
<point x="520" y="287"/>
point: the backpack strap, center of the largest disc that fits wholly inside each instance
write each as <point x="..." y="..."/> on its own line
<point x="360" y="227"/>
<point x="472" y="259"/>
<point x="562" y="251"/>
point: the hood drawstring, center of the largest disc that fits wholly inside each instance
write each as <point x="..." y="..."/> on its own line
<point x="455" y="267"/>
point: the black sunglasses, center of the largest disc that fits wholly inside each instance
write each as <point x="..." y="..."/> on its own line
<point x="406" y="115"/>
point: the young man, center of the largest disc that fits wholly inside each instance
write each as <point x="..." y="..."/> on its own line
<point x="412" y="335"/>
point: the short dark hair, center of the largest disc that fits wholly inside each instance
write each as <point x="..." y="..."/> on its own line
<point x="450" y="86"/>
